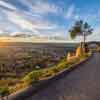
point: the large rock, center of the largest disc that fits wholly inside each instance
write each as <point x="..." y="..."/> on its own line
<point x="70" y="57"/>
<point x="78" y="51"/>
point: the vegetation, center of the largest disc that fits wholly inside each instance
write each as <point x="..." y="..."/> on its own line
<point x="18" y="76"/>
<point x="81" y="29"/>
<point x="36" y="76"/>
<point x="4" y="91"/>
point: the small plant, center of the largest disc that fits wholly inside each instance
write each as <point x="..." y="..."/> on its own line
<point x="33" y="77"/>
<point x="48" y="73"/>
<point x="4" y="91"/>
<point x="56" y="70"/>
<point x="37" y="75"/>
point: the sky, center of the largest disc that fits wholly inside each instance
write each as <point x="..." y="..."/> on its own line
<point x="49" y="20"/>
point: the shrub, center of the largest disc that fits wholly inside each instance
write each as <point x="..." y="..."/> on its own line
<point x="4" y="91"/>
<point x="33" y="77"/>
<point x="48" y="73"/>
<point x="55" y="70"/>
<point x="17" y="87"/>
<point x="78" y="51"/>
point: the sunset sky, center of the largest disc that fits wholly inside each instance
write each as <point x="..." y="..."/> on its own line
<point x="28" y="20"/>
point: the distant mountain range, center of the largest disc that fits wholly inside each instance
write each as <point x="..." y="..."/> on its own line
<point x="29" y="34"/>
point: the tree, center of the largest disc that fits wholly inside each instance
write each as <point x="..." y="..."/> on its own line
<point x="81" y="29"/>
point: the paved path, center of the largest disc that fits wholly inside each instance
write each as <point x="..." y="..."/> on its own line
<point x="81" y="84"/>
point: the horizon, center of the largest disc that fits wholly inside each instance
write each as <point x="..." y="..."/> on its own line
<point x="36" y="21"/>
<point x="23" y="40"/>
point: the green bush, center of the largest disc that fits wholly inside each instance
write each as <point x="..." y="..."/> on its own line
<point x="56" y="70"/>
<point x="35" y="76"/>
<point x="32" y="77"/>
<point x="48" y="73"/>
<point x="4" y="91"/>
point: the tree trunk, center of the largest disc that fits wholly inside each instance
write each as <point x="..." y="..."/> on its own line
<point x="84" y="39"/>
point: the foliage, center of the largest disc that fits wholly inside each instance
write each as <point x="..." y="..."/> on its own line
<point x="18" y="87"/>
<point x="32" y="77"/>
<point x="80" y="28"/>
<point x="4" y="91"/>
<point x="36" y="75"/>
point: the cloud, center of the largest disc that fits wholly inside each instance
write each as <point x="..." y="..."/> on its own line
<point x="7" y="5"/>
<point x="76" y="17"/>
<point x="1" y="31"/>
<point x="17" y="22"/>
<point x="42" y="18"/>
<point x="44" y="7"/>
<point x="70" y="11"/>
<point x="41" y="7"/>
<point x="95" y="35"/>
<point x="22" y="23"/>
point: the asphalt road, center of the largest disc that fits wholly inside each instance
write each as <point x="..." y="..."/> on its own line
<point x="83" y="83"/>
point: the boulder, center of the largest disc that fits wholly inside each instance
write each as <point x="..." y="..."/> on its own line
<point x="78" y="51"/>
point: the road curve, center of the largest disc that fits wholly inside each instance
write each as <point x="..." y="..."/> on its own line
<point x="83" y="83"/>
